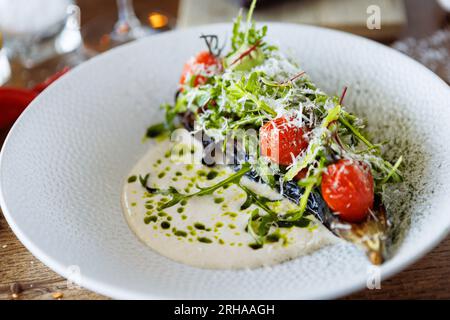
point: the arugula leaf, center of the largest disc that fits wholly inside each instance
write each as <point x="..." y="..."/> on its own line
<point x="315" y="146"/>
<point x="178" y="197"/>
<point x="260" y="201"/>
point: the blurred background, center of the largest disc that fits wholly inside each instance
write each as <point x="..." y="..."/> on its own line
<point x="39" y="38"/>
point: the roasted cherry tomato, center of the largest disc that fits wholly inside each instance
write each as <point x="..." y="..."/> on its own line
<point x="280" y="140"/>
<point x="203" y="60"/>
<point x="347" y="188"/>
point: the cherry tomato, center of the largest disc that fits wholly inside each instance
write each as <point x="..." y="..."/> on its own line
<point x="206" y="58"/>
<point x="191" y="68"/>
<point x="280" y="141"/>
<point x="347" y="188"/>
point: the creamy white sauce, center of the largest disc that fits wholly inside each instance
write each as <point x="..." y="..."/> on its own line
<point x="225" y="224"/>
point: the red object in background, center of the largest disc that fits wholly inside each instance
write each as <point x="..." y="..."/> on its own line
<point x="14" y="100"/>
<point x="347" y="188"/>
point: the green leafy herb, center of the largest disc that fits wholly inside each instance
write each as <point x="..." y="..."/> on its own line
<point x="315" y="145"/>
<point x="178" y="197"/>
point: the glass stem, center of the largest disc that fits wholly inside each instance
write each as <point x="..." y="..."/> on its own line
<point x="127" y="15"/>
<point x="128" y="27"/>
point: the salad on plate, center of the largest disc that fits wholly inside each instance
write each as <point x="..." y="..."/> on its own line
<point x="255" y="165"/>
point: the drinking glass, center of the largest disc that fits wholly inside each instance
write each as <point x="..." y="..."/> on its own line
<point x="105" y="32"/>
<point x="128" y="27"/>
<point x="35" y="31"/>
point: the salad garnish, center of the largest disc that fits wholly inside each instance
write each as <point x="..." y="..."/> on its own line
<point x="308" y="147"/>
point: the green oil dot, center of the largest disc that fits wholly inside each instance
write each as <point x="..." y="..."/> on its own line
<point x="149" y="206"/>
<point x="178" y="174"/>
<point x="161" y="175"/>
<point x="183" y="202"/>
<point x="199" y="226"/>
<point x="133" y="204"/>
<point x="231" y="214"/>
<point x="149" y="219"/>
<point x="211" y="175"/>
<point x="219" y="200"/>
<point x="162" y="214"/>
<point x="165" y="225"/>
<point x="255" y="246"/>
<point x="180" y="233"/>
<point x="201" y="173"/>
<point x="189" y="167"/>
<point x="219" y="224"/>
<point x="231" y="226"/>
<point x="183" y="217"/>
<point x="221" y="241"/>
<point x="180" y="210"/>
<point x="204" y="240"/>
<point x="132" y="179"/>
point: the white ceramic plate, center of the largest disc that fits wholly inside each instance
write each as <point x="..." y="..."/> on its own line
<point x="64" y="162"/>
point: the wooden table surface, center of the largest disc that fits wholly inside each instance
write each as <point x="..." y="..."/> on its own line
<point x="22" y="276"/>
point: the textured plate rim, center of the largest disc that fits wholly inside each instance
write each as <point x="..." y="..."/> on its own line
<point x="389" y="269"/>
